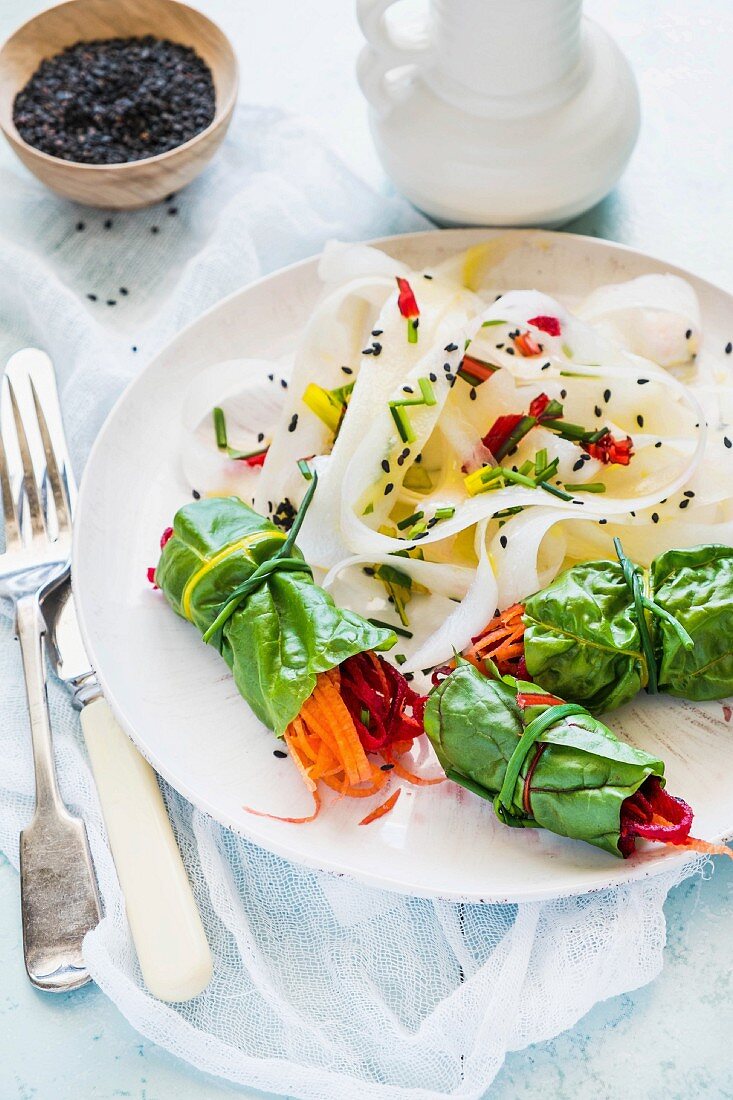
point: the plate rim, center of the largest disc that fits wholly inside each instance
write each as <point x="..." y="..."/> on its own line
<point x="621" y="873"/>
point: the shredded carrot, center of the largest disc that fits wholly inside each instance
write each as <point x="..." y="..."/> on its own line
<point x="502" y="642"/>
<point x="383" y="809"/>
<point x="417" y="780"/>
<point x="290" y="820"/>
<point x="706" y="847"/>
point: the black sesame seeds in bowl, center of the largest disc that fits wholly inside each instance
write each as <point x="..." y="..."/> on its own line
<point x="115" y="100"/>
<point x="117" y="104"/>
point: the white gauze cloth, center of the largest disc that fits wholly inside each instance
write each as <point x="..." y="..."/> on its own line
<point x="322" y="988"/>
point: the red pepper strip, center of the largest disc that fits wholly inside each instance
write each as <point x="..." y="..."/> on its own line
<point x="256" y="459"/>
<point x="528" y="346"/>
<point x="383" y="809"/>
<point x="507" y="431"/>
<point x="166" y="536"/>
<point x="475" y="371"/>
<point x="151" y="575"/>
<point x="550" y="325"/>
<point x="527" y="699"/>
<point x="406" y="302"/>
<point x="608" y="450"/>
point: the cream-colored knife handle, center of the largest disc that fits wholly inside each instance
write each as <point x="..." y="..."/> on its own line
<point x="166" y="926"/>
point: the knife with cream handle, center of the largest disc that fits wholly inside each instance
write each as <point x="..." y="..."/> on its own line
<point x="166" y="927"/>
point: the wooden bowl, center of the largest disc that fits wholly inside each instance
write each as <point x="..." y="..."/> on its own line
<point x="139" y="182"/>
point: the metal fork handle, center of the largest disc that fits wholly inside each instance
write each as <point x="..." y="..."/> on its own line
<point x="31" y="631"/>
<point x="59" y="898"/>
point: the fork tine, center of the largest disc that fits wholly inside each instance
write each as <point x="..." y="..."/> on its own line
<point x="58" y="486"/>
<point x="38" y="528"/>
<point x="13" y="539"/>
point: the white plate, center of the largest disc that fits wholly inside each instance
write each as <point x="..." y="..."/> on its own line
<point x="178" y="702"/>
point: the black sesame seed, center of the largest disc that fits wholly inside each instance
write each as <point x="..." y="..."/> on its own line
<point x="409" y="676"/>
<point x="386" y="767"/>
<point x="124" y="291"/>
<point x="598" y="411"/>
<point x="406" y="452"/>
<point x="284" y="383"/>
<point x="684" y="503"/>
<point x="279" y="754"/>
<point x="376" y="348"/>
<point x="111" y="302"/>
<point x="170" y="198"/>
<point x="92" y="297"/>
<point x="727" y="442"/>
<point x="347" y="370"/>
<point x="688" y="334"/>
<point x="418" y="458"/>
<point x="79" y="226"/>
<point x="499" y="346"/>
<point x="154" y="229"/>
<point x="367" y="351"/>
<point x="640" y="420"/>
<point x="407" y="389"/>
<point x="271" y="377"/>
<point x="563" y="394"/>
<point x="172" y="211"/>
<point x="385" y="465"/>
<point x="503" y="540"/>
<point x="602" y="521"/>
<point x="388" y="488"/>
<point x="658" y="443"/>
<point x="472" y="394"/>
<point x="377" y="331"/>
<point x="641" y="381"/>
<point x="432" y="522"/>
<point x="369" y="570"/>
<point x="451" y="347"/>
<point x="433" y="377"/>
<point x="689" y="493"/>
<point x="728" y="348"/>
<point x="545" y="366"/>
<point x="107" y="223"/>
<point x="633" y="514"/>
<point x="427" y="276"/>
<point x="447" y="368"/>
<point x="293" y="422"/>
<point x="196" y="494"/>
<point x="606" y="396"/>
<point x="578" y="465"/>
<point x="260" y="436"/>
<point x="400" y="461"/>
<point x="510" y="351"/>
<point x="655" y="517"/>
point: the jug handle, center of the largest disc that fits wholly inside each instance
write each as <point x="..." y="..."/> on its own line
<point x="384" y="53"/>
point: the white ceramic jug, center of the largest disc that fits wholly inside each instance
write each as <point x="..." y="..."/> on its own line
<point x="497" y="112"/>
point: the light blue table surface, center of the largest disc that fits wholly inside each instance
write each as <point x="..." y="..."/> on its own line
<point x="672" y="1038"/>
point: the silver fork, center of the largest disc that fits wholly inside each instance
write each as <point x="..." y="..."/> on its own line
<point x="59" y="897"/>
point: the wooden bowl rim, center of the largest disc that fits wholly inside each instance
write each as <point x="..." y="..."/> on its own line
<point x="221" y="117"/>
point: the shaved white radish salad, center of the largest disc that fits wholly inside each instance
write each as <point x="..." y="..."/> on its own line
<point x="469" y="445"/>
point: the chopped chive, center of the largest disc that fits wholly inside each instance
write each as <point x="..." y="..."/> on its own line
<point x="490" y="324"/>
<point x="526" y="467"/>
<point x="400" y="658"/>
<point x="365" y="717"/>
<point x="445" y="513"/>
<point x="519" y="479"/>
<point x="554" y="490"/>
<point x="388" y="626"/>
<point x="405" y="523"/>
<point x="567" y="351"/>
<point x="402" y="420"/>
<point x="305" y="469"/>
<point x="411" y="330"/>
<point x="593" y="487"/>
<point x="393" y="576"/>
<point x="427" y="391"/>
<point x="419" y="529"/>
<point x="369" y="509"/>
<point x="540" y="460"/>
<point x="220" y="428"/>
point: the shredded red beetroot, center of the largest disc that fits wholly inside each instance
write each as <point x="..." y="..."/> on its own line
<point x="166" y="537"/>
<point x="550" y="325"/>
<point x="653" y="814"/>
<point x="406" y="302"/>
<point x="381" y="702"/>
<point x="608" y="450"/>
<point x="151" y="576"/>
